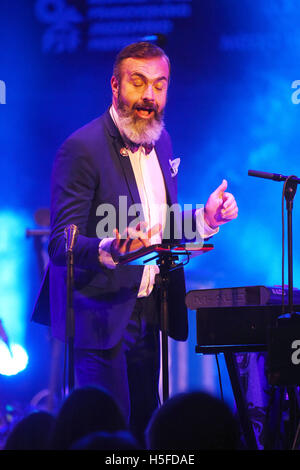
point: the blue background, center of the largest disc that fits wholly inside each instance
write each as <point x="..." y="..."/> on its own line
<point x="229" y="109"/>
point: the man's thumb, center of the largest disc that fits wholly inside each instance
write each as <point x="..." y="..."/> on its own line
<point x="220" y="189"/>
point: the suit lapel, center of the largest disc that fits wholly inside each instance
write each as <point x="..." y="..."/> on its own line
<point x="163" y="153"/>
<point x="166" y="171"/>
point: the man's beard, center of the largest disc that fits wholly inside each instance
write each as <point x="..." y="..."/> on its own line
<point x="138" y="130"/>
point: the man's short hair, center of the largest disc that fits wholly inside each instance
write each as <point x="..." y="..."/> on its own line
<point x="138" y="50"/>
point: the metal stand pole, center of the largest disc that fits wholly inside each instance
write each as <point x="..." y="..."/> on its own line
<point x="165" y="263"/>
<point x="70" y="320"/>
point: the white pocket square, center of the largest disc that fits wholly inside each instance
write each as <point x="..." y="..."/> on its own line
<point x="174" y="164"/>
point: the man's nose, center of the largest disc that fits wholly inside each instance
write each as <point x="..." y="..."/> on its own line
<point x="148" y="93"/>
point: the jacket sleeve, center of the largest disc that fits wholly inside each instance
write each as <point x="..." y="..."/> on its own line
<point x="73" y="183"/>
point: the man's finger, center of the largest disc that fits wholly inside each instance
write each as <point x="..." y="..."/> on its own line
<point x="154" y="230"/>
<point x="120" y="240"/>
<point x="134" y="233"/>
<point x="228" y="200"/>
<point x="231" y="213"/>
<point x="116" y="233"/>
<point x="221" y="189"/>
<point x="141" y="226"/>
<point x="127" y="245"/>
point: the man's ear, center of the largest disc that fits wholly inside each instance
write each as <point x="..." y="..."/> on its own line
<point x="114" y="86"/>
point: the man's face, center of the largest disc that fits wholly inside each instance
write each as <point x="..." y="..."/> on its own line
<point x="141" y="96"/>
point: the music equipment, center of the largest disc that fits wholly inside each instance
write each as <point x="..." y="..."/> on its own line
<point x="245" y="319"/>
<point x="237" y="318"/>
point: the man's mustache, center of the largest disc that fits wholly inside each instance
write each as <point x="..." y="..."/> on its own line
<point x="147" y="105"/>
<point x="128" y="112"/>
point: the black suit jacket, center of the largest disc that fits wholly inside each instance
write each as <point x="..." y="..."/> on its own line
<point x="89" y="171"/>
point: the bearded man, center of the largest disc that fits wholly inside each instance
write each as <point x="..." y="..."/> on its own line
<point x="125" y="152"/>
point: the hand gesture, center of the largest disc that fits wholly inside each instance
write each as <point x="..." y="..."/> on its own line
<point x="221" y="207"/>
<point x="132" y="239"/>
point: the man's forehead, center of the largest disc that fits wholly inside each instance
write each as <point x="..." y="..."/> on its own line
<point x="154" y="67"/>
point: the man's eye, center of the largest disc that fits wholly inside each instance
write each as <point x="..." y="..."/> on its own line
<point x="159" y="86"/>
<point x="137" y="83"/>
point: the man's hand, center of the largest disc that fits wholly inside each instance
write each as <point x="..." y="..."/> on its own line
<point x="132" y="240"/>
<point x="221" y="207"/>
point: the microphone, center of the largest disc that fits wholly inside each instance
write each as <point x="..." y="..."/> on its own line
<point x="272" y="176"/>
<point x="71" y="233"/>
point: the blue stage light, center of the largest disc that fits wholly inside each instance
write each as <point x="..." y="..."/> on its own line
<point x="13" y="359"/>
<point x="14" y="288"/>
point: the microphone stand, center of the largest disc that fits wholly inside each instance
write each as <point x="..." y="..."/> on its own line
<point x="289" y="191"/>
<point x="290" y="188"/>
<point x="70" y="318"/>
<point x="166" y="263"/>
<point x="70" y="235"/>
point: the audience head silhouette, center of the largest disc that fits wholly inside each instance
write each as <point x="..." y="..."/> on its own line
<point x="85" y="411"/>
<point x="120" y="440"/>
<point x="32" y="432"/>
<point x="192" y="421"/>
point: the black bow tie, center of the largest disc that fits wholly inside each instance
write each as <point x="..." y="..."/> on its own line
<point x="148" y="148"/>
<point x="134" y="148"/>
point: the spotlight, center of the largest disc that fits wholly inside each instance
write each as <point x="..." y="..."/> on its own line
<point x="13" y="359"/>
